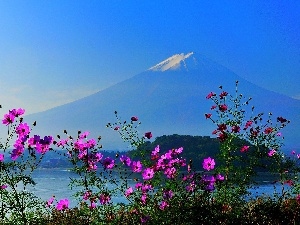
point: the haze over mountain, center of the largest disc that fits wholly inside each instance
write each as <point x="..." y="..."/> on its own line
<point x="168" y="98"/>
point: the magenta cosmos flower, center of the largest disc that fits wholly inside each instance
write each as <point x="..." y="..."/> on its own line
<point x="104" y="198"/>
<point x="108" y="163"/>
<point x="148" y="174"/>
<point x="125" y="160"/>
<point x="22" y="129"/>
<point x="271" y="152"/>
<point x="50" y="201"/>
<point x="136" y="166"/>
<point x="8" y="119"/>
<point x="245" y="148"/>
<point x="211" y="94"/>
<point x="148" y="135"/>
<point x="163" y="205"/>
<point x="62" y="204"/>
<point x="1" y="157"/>
<point x="129" y="191"/>
<point x="134" y="118"/>
<point x="208" y="164"/>
<point x="223" y="108"/>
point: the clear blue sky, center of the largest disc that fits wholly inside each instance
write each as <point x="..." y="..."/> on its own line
<point x="53" y="52"/>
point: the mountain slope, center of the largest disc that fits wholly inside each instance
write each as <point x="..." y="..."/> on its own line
<point x="167" y="99"/>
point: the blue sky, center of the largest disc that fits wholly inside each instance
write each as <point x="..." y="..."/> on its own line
<point x="54" y="52"/>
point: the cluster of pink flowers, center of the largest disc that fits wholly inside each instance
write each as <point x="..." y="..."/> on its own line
<point x="84" y="150"/>
<point x="9" y="118"/>
<point x="167" y="163"/>
<point x="207" y="182"/>
<point x="62" y="204"/>
<point x="41" y="145"/>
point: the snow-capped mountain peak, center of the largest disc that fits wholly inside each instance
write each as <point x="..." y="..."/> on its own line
<point x="173" y="63"/>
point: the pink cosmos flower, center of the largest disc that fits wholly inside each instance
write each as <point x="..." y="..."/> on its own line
<point x="42" y="148"/>
<point x="268" y="130"/>
<point x="92" y="205"/>
<point x="8" y="119"/>
<point x="208" y="164"/>
<point x="213" y="107"/>
<point x="18" y="112"/>
<point x="154" y="153"/>
<point x="4" y="186"/>
<point x="220" y="177"/>
<point x="170" y="172"/>
<point x="163" y="205"/>
<point x="1" y="157"/>
<point x="222" y="127"/>
<point x="134" y="118"/>
<point x="191" y="187"/>
<point x="97" y="157"/>
<point x="178" y="150"/>
<point x="146" y="187"/>
<point x="92" y="166"/>
<point x="91" y="143"/>
<point x="129" y="191"/>
<point x="223" y="94"/>
<point x="87" y="195"/>
<point x="50" y="201"/>
<point x="148" y="135"/>
<point x="125" y="160"/>
<point x="62" y="142"/>
<point x="148" y="174"/>
<point x="80" y="145"/>
<point x="167" y="194"/>
<point x="223" y="107"/>
<point x="22" y="129"/>
<point x="245" y="148"/>
<point x="235" y="129"/>
<point x="104" y="198"/>
<point x="17" y="152"/>
<point x="272" y="152"/>
<point x="281" y="119"/>
<point x="108" y="163"/>
<point x="279" y="134"/>
<point x="209" y="182"/>
<point x="62" y="204"/>
<point x="222" y="136"/>
<point x="84" y="134"/>
<point x="117" y="128"/>
<point x="138" y="185"/>
<point x="248" y="124"/>
<point x="136" y="166"/>
<point x="143" y="199"/>
<point x="207" y="115"/>
<point x="34" y="140"/>
<point x="211" y="94"/>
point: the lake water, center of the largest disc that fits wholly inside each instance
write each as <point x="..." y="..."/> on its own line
<point x="55" y="182"/>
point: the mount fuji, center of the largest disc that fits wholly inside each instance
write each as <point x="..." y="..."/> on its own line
<point x="168" y="98"/>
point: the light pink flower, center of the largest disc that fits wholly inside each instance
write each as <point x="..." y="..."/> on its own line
<point x="163" y="205"/>
<point x="50" y="201"/>
<point x="245" y="148"/>
<point x="129" y="191"/>
<point x="62" y="204"/>
<point x="208" y="164"/>
<point x="271" y="152"/>
<point x="148" y="174"/>
<point x="1" y="157"/>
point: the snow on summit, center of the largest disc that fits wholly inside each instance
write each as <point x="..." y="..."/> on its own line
<point x="172" y="63"/>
